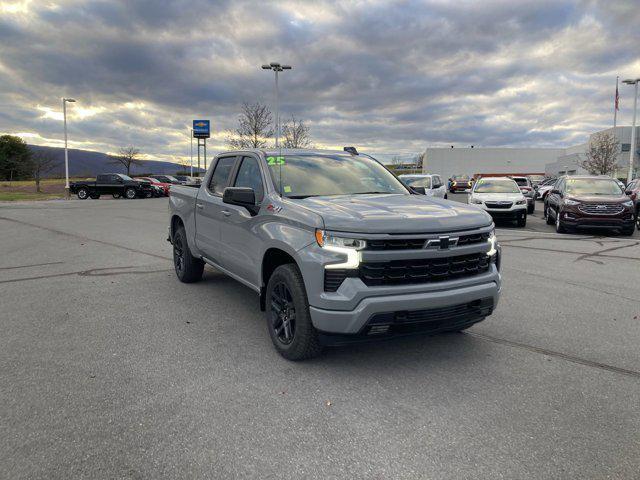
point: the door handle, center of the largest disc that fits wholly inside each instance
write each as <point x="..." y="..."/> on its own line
<point x="226" y="213"/>
<point x="199" y="205"/>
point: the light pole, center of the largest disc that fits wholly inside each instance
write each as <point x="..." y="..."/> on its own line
<point x="276" y="67"/>
<point x="191" y="130"/>
<point x="632" y="150"/>
<point x="66" y="153"/>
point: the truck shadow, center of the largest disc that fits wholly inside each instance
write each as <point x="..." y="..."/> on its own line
<point x="376" y="355"/>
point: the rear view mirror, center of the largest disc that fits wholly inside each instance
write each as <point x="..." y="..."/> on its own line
<point x="241" y="196"/>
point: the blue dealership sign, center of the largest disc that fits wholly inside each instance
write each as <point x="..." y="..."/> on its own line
<point x="201" y="129"/>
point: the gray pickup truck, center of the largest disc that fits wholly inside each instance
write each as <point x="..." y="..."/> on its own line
<point x="336" y="247"/>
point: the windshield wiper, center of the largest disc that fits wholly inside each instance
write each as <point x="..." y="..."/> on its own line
<point x="369" y="193"/>
<point x="300" y="197"/>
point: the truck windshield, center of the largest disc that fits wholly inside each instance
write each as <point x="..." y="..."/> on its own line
<point x="592" y="186"/>
<point x="318" y="175"/>
<point x="124" y="177"/>
<point x="497" y="185"/>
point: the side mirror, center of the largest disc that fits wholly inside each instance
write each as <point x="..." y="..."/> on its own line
<point x="241" y="196"/>
<point x="628" y="192"/>
<point x="555" y="191"/>
<point x="419" y="190"/>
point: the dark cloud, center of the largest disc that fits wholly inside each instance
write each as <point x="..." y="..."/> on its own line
<point x="388" y="76"/>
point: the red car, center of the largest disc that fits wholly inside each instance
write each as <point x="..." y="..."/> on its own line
<point x="165" y="186"/>
<point x="460" y="183"/>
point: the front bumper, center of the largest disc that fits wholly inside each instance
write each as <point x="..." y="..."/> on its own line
<point x="451" y="307"/>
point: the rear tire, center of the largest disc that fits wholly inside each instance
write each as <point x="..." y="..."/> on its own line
<point x="83" y="194"/>
<point x="95" y="196"/>
<point x="130" y="193"/>
<point x="288" y="318"/>
<point x="116" y="195"/>
<point x="188" y="268"/>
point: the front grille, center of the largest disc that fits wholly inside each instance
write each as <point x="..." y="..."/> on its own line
<point x="418" y="243"/>
<point x="601" y="209"/>
<point x="498" y="204"/>
<point x="403" y="272"/>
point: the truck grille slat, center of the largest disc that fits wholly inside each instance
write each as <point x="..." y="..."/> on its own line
<point x="402" y="272"/>
<point x="418" y="243"/>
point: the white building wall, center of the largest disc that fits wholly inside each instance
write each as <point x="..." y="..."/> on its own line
<point x="469" y="161"/>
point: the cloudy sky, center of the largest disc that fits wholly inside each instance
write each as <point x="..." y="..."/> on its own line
<point x="386" y="76"/>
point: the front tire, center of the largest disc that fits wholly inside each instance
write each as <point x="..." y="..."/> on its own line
<point x="627" y="232"/>
<point x="522" y="220"/>
<point x="560" y="228"/>
<point x="288" y="318"/>
<point x="547" y="217"/>
<point x="188" y="268"/>
<point x="130" y="193"/>
<point x="83" y="194"/>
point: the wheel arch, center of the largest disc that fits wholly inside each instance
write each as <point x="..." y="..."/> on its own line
<point x="273" y="257"/>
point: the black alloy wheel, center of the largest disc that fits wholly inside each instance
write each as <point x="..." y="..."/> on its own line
<point x="178" y="255"/>
<point x="283" y="313"/>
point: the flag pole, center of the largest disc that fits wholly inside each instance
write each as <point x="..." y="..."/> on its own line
<point x="615" y="105"/>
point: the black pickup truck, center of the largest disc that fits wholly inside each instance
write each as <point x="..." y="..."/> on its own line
<point x="115" y="184"/>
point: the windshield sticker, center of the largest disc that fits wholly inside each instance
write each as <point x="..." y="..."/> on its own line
<point x="287" y="189"/>
<point x="275" y="160"/>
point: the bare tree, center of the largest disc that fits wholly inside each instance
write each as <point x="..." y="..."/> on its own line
<point x="396" y="161"/>
<point x="420" y="160"/>
<point x="254" y="127"/>
<point x="127" y="157"/>
<point x="42" y="162"/>
<point x="295" y="134"/>
<point x="602" y="155"/>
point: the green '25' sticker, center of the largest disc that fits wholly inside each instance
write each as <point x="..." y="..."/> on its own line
<point x="275" y="160"/>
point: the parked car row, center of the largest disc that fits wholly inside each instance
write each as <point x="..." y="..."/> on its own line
<point x="119" y="185"/>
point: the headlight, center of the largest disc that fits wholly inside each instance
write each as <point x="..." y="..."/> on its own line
<point x="453" y="184"/>
<point x="493" y="242"/>
<point x="347" y="246"/>
<point x="521" y="202"/>
<point x="628" y="203"/>
<point x="568" y="201"/>
<point x="475" y="201"/>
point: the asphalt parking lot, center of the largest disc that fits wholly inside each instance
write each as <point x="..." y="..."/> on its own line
<point x="111" y="368"/>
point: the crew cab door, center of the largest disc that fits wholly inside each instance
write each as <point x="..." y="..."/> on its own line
<point x="239" y="233"/>
<point x="209" y="217"/>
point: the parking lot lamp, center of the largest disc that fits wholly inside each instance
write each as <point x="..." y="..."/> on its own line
<point x="66" y="153"/>
<point x="276" y="67"/>
<point x="632" y="150"/>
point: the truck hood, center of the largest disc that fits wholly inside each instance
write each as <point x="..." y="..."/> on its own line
<point x="394" y="214"/>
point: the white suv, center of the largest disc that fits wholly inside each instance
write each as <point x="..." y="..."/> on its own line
<point x="501" y="198"/>
<point x="432" y="184"/>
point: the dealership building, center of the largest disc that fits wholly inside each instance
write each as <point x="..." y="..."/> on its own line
<point x="548" y="161"/>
